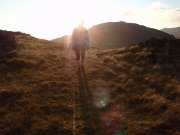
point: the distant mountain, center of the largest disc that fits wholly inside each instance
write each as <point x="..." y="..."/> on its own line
<point x="173" y="31"/>
<point x="117" y="34"/>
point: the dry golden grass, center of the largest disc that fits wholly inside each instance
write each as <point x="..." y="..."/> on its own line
<point x="38" y="89"/>
<point x="150" y="93"/>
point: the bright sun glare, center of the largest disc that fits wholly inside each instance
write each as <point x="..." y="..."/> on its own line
<point x="50" y="19"/>
<point x="59" y="17"/>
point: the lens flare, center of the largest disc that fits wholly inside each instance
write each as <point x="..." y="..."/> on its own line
<point x="120" y="132"/>
<point x="112" y="121"/>
<point x="101" y="98"/>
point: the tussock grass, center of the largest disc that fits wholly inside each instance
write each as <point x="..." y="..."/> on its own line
<point x="140" y="97"/>
<point x="35" y="96"/>
<point x="148" y="92"/>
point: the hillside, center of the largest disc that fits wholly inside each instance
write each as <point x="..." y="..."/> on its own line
<point x="131" y="90"/>
<point x="15" y="43"/>
<point x="117" y="34"/>
<point x="143" y="81"/>
<point x="173" y="31"/>
<point x="63" y="41"/>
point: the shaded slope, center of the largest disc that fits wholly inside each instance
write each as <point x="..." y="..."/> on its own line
<point x="8" y="45"/>
<point x="117" y="34"/>
<point x="148" y="91"/>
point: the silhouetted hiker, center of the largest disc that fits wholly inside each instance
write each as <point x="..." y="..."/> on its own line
<point x="80" y="42"/>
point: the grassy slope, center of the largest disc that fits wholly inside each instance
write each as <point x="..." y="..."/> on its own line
<point x="37" y="92"/>
<point x="118" y="34"/>
<point x="148" y="93"/>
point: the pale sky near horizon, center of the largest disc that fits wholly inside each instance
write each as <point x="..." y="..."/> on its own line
<point x="49" y="19"/>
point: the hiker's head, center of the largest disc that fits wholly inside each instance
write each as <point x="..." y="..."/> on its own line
<point x="80" y="23"/>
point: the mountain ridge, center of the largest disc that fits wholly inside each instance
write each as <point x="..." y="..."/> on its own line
<point x="117" y="34"/>
<point x="111" y="35"/>
<point x="174" y="31"/>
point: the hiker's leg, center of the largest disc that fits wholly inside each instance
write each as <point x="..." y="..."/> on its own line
<point x="77" y="51"/>
<point x="83" y="51"/>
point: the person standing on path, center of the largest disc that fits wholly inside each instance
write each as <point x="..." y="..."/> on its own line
<point x="80" y="42"/>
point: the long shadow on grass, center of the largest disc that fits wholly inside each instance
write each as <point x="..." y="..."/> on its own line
<point x="90" y="113"/>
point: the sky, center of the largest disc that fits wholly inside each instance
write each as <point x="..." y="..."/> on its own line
<point x="49" y="19"/>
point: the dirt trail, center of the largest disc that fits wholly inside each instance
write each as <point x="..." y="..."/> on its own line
<point x="54" y="98"/>
<point x="91" y="116"/>
<point x="85" y="114"/>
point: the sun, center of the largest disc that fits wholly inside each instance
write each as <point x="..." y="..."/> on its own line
<point x="56" y="18"/>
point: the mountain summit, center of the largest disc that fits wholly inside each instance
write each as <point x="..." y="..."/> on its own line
<point x="117" y="34"/>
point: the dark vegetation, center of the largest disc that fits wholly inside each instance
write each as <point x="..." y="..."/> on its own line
<point x="8" y="45"/>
